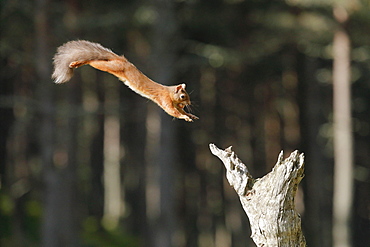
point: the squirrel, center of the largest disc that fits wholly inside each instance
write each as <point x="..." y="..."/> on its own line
<point x="73" y="54"/>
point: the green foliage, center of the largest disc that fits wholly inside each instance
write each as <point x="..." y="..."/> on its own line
<point x="103" y="238"/>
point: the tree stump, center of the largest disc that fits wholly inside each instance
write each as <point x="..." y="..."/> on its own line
<point x="268" y="201"/>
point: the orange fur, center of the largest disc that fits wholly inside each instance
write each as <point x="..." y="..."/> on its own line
<point x="73" y="54"/>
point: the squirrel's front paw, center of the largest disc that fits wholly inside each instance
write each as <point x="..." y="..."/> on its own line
<point x="189" y="117"/>
<point x="193" y="116"/>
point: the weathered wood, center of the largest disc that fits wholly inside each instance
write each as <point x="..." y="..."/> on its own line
<point x="268" y="201"/>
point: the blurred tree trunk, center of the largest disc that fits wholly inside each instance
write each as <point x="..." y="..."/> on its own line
<point x="317" y="217"/>
<point x="342" y="131"/>
<point x="112" y="176"/>
<point x="96" y="195"/>
<point x="7" y="119"/>
<point x="95" y="89"/>
<point x="134" y="164"/>
<point x="47" y="127"/>
<point x="162" y="169"/>
<point x="58" y="146"/>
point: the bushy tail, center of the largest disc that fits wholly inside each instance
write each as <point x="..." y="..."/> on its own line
<point x="79" y="50"/>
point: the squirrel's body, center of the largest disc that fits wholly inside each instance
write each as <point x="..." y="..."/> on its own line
<point x="74" y="54"/>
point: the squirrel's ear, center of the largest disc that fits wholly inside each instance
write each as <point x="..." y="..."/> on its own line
<point x="179" y="87"/>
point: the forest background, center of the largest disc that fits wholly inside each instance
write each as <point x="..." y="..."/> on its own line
<point x="91" y="163"/>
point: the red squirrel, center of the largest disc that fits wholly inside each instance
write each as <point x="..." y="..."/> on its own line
<point x="73" y="54"/>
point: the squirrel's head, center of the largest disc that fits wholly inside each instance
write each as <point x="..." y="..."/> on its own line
<point x="181" y="97"/>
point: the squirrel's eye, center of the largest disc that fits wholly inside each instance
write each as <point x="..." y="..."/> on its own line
<point x="182" y="96"/>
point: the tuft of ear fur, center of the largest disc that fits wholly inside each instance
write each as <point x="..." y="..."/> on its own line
<point x="179" y="87"/>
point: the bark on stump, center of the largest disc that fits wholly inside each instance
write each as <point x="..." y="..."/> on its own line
<point x="268" y="201"/>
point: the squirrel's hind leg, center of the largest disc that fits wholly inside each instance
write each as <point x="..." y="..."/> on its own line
<point x="113" y="66"/>
<point x="108" y="65"/>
